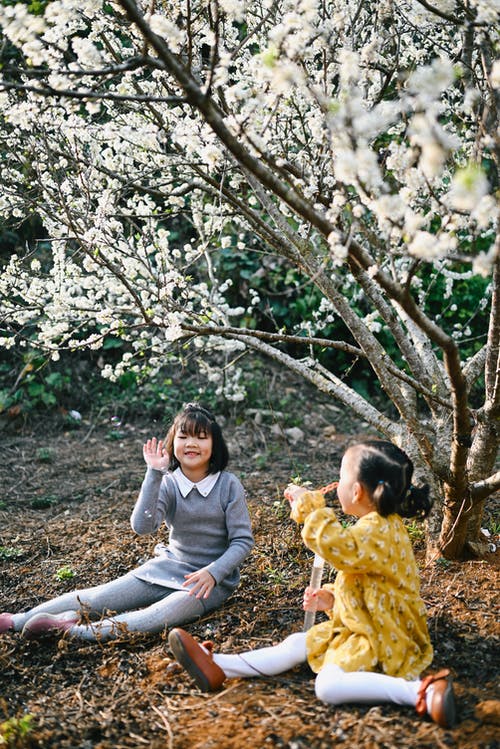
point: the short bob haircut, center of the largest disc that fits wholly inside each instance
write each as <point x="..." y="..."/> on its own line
<point x="194" y="420"/>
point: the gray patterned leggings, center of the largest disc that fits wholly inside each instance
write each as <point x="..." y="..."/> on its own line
<point x="127" y="604"/>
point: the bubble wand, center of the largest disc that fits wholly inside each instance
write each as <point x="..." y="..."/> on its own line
<point x="315" y="584"/>
<point x="317" y="568"/>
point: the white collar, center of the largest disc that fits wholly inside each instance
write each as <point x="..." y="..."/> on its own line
<point x="204" y="486"/>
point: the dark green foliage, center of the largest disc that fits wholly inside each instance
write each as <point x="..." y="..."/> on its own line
<point x="42" y="503"/>
<point x="36" y="7"/>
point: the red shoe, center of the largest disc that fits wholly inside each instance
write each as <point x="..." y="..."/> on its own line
<point x="45" y="624"/>
<point x="442" y="707"/>
<point x="6" y="623"/>
<point x="198" y="663"/>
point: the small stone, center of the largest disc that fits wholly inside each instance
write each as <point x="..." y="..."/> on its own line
<point x="295" y="435"/>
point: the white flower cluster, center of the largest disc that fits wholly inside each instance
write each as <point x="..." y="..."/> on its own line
<point x="358" y="111"/>
<point x="487" y="11"/>
<point x="168" y="29"/>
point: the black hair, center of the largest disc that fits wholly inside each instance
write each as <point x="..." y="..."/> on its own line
<point x="195" y="419"/>
<point x="386" y="471"/>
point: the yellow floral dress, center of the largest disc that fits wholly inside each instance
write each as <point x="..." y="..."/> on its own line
<point x="378" y="621"/>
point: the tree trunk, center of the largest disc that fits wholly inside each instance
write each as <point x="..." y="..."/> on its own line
<point x="481" y="463"/>
<point x="462" y="517"/>
<point x="433" y="524"/>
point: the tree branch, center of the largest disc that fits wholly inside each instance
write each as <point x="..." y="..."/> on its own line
<point x="132" y="63"/>
<point x="230" y="332"/>
<point x="48" y="92"/>
<point x="492" y="366"/>
<point x="420" y="369"/>
<point x="332" y="386"/>
<point x="481" y="489"/>
<point x="440" y="13"/>
<point x="215" y="118"/>
<point x="474" y="367"/>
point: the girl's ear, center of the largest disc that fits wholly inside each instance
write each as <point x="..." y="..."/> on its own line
<point x="357" y="491"/>
<point x="360" y="493"/>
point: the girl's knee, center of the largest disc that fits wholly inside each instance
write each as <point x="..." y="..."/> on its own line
<point x="296" y="639"/>
<point x="327" y="685"/>
<point x="296" y="644"/>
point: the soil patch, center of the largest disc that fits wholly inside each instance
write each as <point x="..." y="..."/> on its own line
<point x="65" y="505"/>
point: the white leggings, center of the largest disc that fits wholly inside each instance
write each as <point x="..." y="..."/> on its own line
<point x="332" y="685"/>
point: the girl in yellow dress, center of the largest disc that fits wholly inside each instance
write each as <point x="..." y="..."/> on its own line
<point x="375" y="643"/>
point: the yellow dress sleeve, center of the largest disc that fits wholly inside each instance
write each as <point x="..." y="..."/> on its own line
<point x="358" y="548"/>
<point x="307" y="503"/>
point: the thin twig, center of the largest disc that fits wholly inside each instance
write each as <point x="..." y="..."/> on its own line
<point x="167" y="725"/>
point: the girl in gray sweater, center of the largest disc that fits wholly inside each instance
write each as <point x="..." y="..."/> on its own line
<point x="203" y="505"/>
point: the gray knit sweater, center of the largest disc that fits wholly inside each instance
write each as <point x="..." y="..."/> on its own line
<point x="212" y="531"/>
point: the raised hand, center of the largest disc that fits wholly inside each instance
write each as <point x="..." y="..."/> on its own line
<point x="303" y="501"/>
<point x="155" y="454"/>
<point x="294" y="492"/>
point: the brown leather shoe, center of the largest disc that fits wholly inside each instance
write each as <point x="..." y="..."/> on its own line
<point x="198" y="663"/>
<point x="442" y="708"/>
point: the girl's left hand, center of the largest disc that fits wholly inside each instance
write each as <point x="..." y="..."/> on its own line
<point x="202" y="581"/>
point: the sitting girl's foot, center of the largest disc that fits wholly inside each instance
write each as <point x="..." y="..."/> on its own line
<point x="197" y="660"/>
<point x="437" y="699"/>
<point x="6" y="623"/>
<point x="44" y="624"/>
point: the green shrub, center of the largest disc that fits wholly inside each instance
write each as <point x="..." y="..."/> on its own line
<point x="16" y="733"/>
<point x="64" y="573"/>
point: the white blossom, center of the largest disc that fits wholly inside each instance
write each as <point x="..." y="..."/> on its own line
<point x="168" y="29"/>
<point x="234" y="8"/>
<point x="430" y="80"/>
<point x="87" y="53"/>
<point x="495" y="74"/>
<point x="337" y="249"/>
<point x="468" y="187"/>
<point x="486" y="211"/>
<point x="430" y="246"/>
<point x="483" y="263"/>
<point x="487" y="10"/>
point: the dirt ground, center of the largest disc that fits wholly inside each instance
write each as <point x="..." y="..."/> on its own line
<point x="65" y="504"/>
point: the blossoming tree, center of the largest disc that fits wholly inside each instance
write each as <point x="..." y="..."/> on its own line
<point x="356" y="141"/>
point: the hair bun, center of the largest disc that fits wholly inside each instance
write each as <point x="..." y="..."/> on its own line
<point x="198" y="407"/>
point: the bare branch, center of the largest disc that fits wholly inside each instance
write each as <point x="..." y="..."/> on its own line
<point x="440" y="13"/>
<point x="474" y="367"/>
<point x="132" y="63"/>
<point x="481" y="489"/>
<point x="228" y="331"/>
<point x="418" y="366"/>
<point x="47" y="91"/>
<point x="332" y="386"/>
<point x="492" y="368"/>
